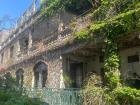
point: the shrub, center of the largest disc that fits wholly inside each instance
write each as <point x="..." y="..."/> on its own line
<point x="10" y="94"/>
<point x="127" y="96"/>
<point x="13" y="97"/>
<point x="95" y="94"/>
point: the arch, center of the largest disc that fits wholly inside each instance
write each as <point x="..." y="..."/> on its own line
<point x="19" y="77"/>
<point x="40" y="74"/>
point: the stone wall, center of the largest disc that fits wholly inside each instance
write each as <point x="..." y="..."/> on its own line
<point x="41" y="29"/>
<point x="54" y="63"/>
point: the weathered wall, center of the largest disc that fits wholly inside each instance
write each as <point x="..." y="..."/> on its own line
<point x="94" y="65"/>
<point x="41" y="29"/>
<point x="128" y="68"/>
<point x="52" y="59"/>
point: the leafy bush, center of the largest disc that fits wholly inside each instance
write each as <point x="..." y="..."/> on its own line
<point x="127" y="96"/>
<point x="78" y="7"/>
<point x="10" y="94"/>
<point x="13" y="97"/>
<point x="97" y="95"/>
<point x="55" y="6"/>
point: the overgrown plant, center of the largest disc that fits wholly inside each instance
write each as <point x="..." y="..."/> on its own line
<point x="67" y="80"/>
<point x="55" y="6"/>
<point x="126" y="18"/>
<point x="111" y="66"/>
<point x="92" y="94"/>
<point x="11" y="95"/>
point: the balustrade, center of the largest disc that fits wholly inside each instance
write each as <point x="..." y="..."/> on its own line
<point x="57" y="96"/>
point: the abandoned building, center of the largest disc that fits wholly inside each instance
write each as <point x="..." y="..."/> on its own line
<point x="43" y="52"/>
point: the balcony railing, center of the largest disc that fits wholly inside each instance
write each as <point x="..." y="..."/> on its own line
<point x="54" y="40"/>
<point x="57" y="96"/>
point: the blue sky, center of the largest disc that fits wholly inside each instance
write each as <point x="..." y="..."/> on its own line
<point x="13" y="8"/>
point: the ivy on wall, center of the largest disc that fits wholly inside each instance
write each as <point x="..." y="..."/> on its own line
<point x="111" y="19"/>
<point x="54" y="6"/>
<point x="117" y="25"/>
<point x="126" y="18"/>
<point x="111" y="66"/>
<point x="111" y="29"/>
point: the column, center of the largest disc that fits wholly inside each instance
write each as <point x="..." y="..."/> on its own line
<point x="33" y="81"/>
<point x="62" y="69"/>
<point x="62" y="84"/>
<point x="18" y="46"/>
<point x="18" y="51"/>
<point x="30" y="41"/>
<point x="40" y="80"/>
<point x="60" y="29"/>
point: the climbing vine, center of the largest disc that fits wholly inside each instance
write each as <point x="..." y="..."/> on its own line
<point x="125" y="19"/>
<point x="55" y="6"/>
<point x="110" y="19"/>
<point x="111" y="65"/>
<point x="111" y="29"/>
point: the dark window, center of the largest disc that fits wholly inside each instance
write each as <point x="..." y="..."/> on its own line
<point x="102" y="75"/>
<point x="2" y="57"/>
<point x="19" y="77"/>
<point x="40" y="73"/>
<point x="32" y="30"/>
<point x="76" y="74"/>
<point x="26" y="43"/>
<point x="134" y="58"/>
<point x="101" y="58"/>
<point x="11" y="52"/>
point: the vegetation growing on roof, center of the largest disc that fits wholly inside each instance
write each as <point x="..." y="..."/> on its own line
<point x="74" y="6"/>
<point x="124" y="22"/>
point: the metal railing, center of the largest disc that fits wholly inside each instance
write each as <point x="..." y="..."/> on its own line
<point x="57" y="96"/>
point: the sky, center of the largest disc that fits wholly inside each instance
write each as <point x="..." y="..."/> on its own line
<point x="13" y="8"/>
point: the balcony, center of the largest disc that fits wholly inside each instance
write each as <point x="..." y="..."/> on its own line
<point x="54" y="40"/>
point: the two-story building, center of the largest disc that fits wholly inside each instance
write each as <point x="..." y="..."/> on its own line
<point x="43" y="51"/>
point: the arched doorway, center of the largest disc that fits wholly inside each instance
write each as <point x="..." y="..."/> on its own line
<point x="20" y="77"/>
<point x="40" y="74"/>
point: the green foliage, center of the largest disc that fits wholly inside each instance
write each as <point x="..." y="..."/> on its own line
<point x="112" y="28"/>
<point x="76" y="6"/>
<point x="91" y="93"/>
<point x="124" y="22"/>
<point x="55" y="6"/>
<point x="11" y="95"/>
<point x="83" y="34"/>
<point x="111" y="8"/>
<point x="127" y="96"/>
<point x="111" y="65"/>
<point x="67" y="80"/>
<point x="14" y="97"/>
<point x="112" y="19"/>
<point x="42" y="1"/>
<point x="94" y="94"/>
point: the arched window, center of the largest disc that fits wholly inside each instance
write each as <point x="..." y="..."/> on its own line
<point x="19" y="77"/>
<point x="40" y="74"/>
